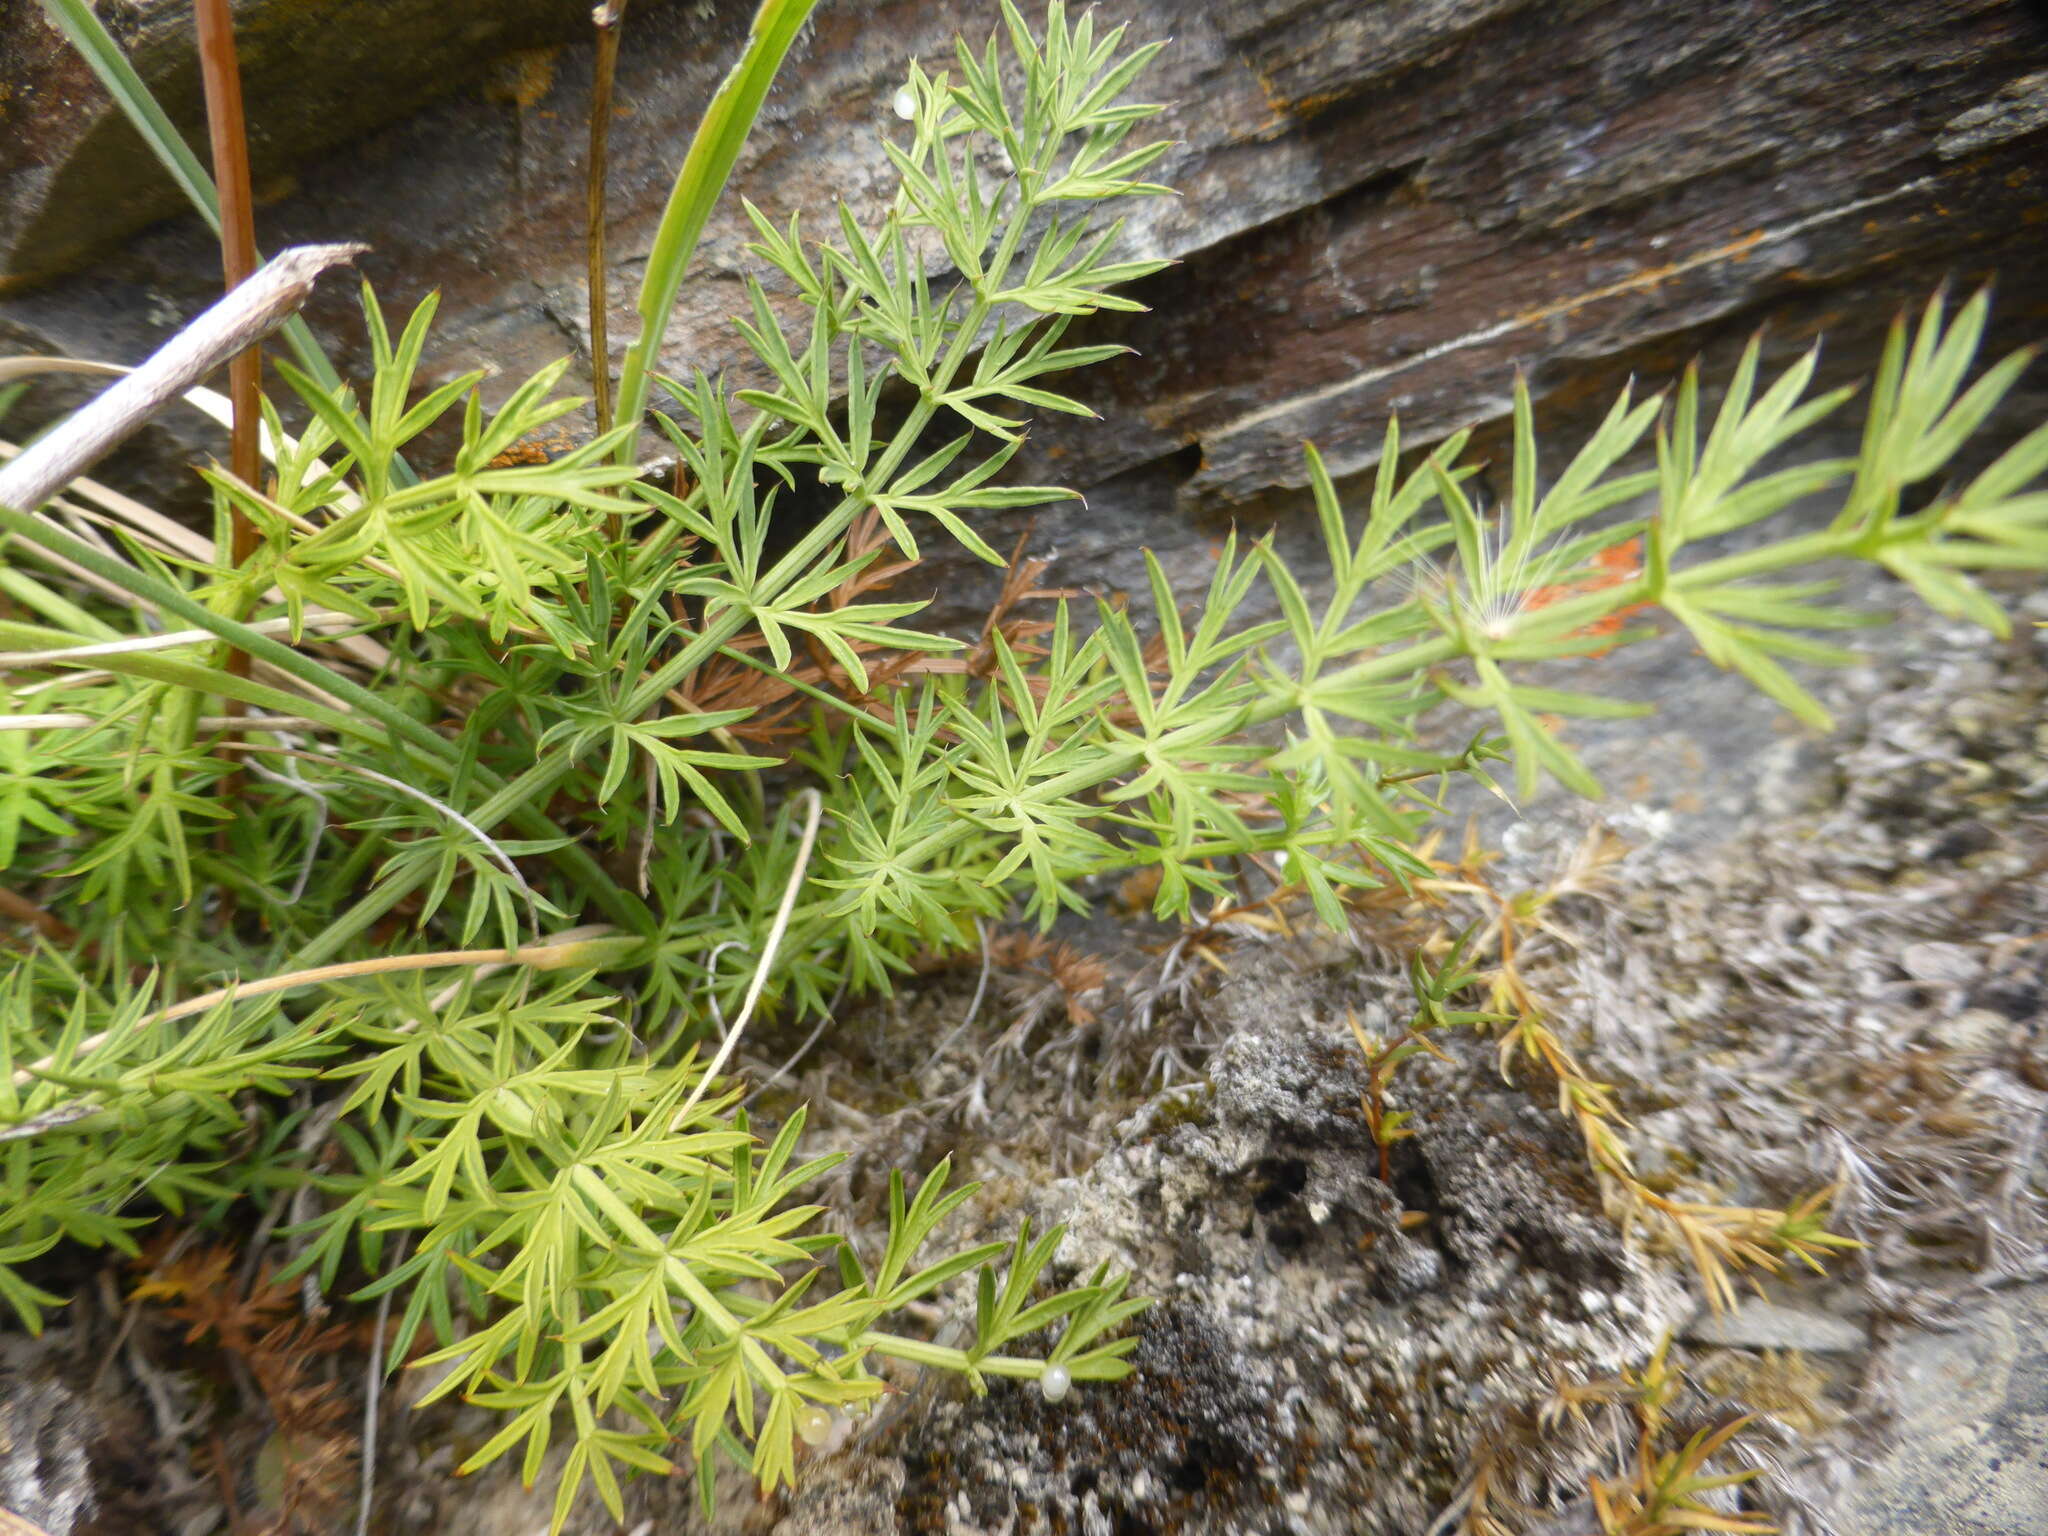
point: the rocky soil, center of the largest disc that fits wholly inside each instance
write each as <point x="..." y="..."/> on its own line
<point x="1838" y="978"/>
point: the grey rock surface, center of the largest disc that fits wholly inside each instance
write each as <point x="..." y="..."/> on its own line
<point x="1746" y="976"/>
<point x="1328" y="1348"/>
<point x="1762" y="1324"/>
<point x="1386" y="206"/>
<point x="46" y="1439"/>
<point x="1970" y="1454"/>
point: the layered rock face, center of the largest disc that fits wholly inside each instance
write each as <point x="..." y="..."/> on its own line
<point x="75" y="180"/>
<point x="1385" y="207"/>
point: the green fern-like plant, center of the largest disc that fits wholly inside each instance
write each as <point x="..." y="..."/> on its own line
<point x="464" y="891"/>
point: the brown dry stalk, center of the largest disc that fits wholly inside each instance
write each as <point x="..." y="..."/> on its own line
<point x="222" y="77"/>
<point x="20" y="909"/>
<point x="1076" y="976"/>
<point x="1721" y="1242"/>
<point x="266" y="1333"/>
<point x="563" y="952"/>
<point x="606" y="19"/>
<point x="220" y="73"/>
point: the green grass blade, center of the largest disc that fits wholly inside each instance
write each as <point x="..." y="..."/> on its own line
<point x="727" y="121"/>
<point x="175" y="600"/>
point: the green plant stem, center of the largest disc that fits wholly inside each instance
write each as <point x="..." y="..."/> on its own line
<point x="539" y="781"/>
<point x="175" y="600"/>
<point x="943" y="1358"/>
<point x="624" y="909"/>
<point x="714" y="150"/>
<point x="723" y="627"/>
<point x="1807" y="549"/>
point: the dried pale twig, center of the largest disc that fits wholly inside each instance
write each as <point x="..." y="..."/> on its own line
<point x="372" y="1395"/>
<point x="23" y="660"/>
<point x="768" y="948"/>
<point x="247" y="315"/>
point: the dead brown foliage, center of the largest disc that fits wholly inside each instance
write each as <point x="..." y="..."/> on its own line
<point x="264" y="1337"/>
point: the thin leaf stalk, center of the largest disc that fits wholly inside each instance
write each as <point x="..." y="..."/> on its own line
<point x="544" y="956"/>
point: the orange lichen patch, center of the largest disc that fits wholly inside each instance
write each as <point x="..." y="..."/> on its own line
<point x="1297" y="108"/>
<point x="1315" y="103"/>
<point x="522" y="78"/>
<point x="1136" y="892"/>
<point x="1613" y="566"/>
<point x="519" y="453"/>
<point x="540" y="449"/>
